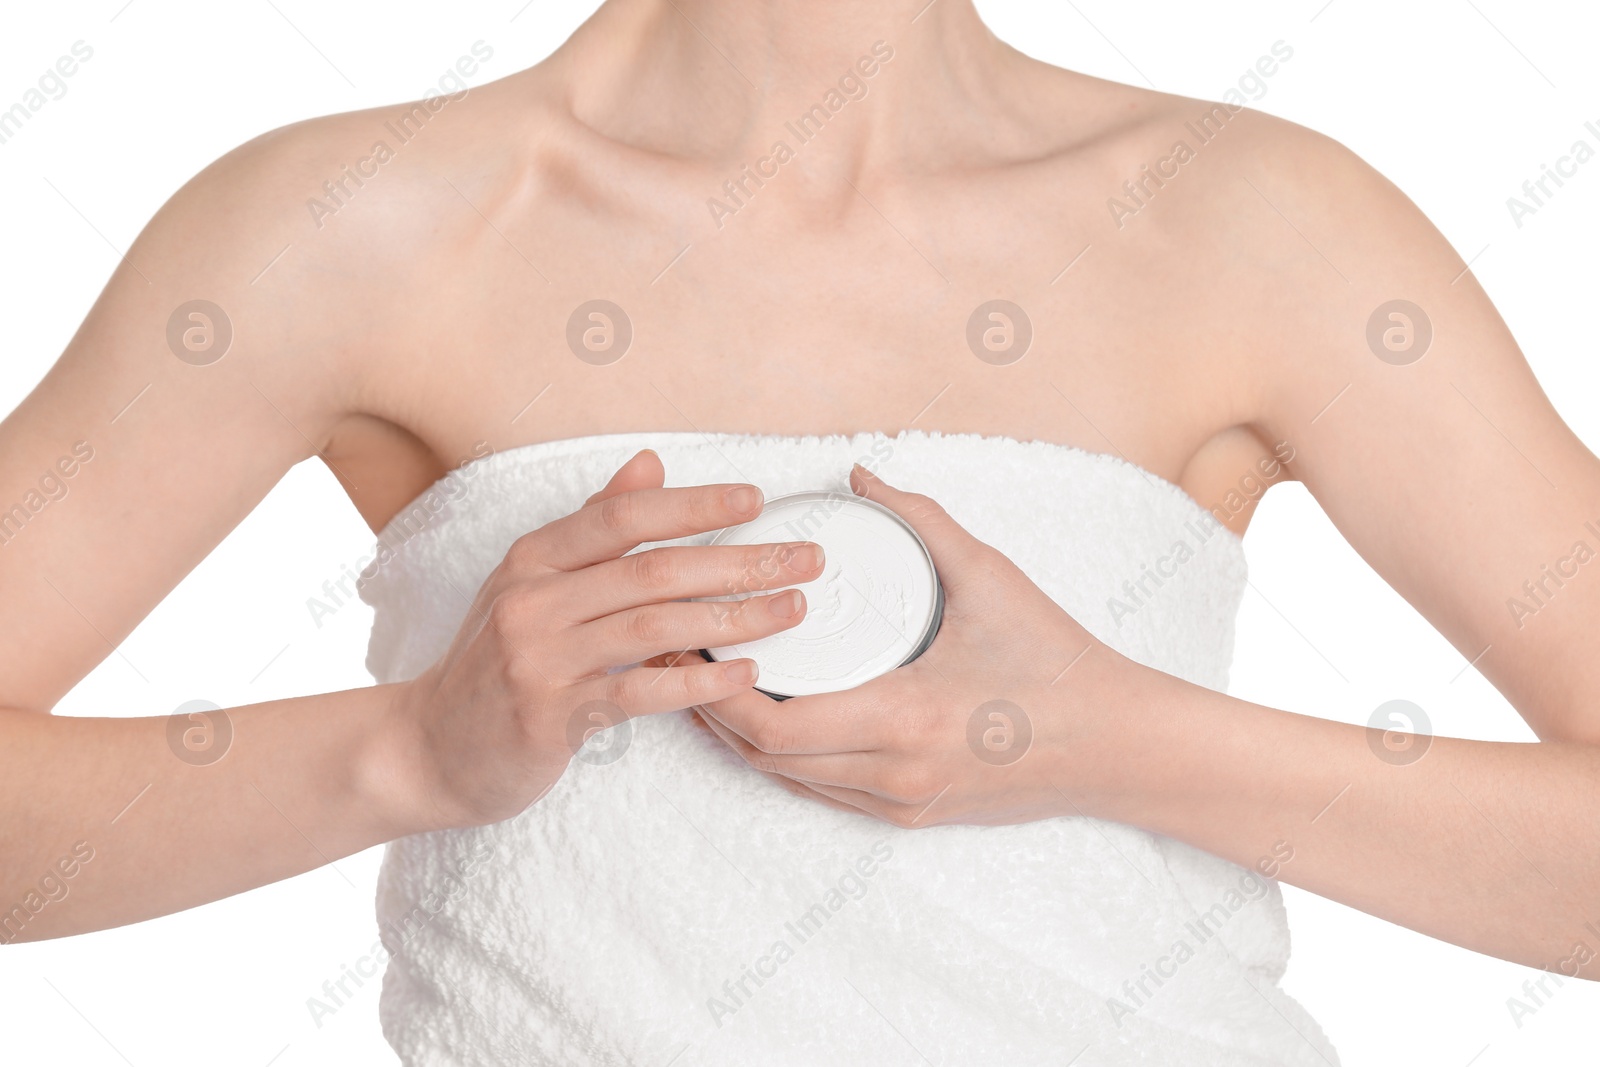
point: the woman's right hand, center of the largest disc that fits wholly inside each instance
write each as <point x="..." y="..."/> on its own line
<point x="533" y="670"/>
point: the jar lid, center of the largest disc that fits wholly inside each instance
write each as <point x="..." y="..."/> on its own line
<point x="876" y="605"/>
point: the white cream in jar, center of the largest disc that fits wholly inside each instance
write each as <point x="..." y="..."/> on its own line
<point x="876" y="605"/>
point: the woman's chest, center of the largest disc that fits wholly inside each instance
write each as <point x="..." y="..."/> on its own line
<point x="1051" y="333"/>
<point x="809" y="344"/>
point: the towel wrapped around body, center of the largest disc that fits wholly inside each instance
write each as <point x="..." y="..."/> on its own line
<point x="666" y="904"/>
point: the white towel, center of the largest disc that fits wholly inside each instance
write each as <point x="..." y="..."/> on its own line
<point x="673" y="906"/>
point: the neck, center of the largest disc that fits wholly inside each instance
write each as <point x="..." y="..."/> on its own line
<point x="719" y="77"/>
<point x="793" y="43"/>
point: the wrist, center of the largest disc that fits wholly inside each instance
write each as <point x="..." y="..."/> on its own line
<point x="388" y="768"/>
<point x="1125" y="737"/>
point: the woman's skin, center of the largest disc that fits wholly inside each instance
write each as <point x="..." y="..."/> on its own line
<point x="1226" y="319"/>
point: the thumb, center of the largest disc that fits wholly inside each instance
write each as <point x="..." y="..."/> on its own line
<point x="643" y="471"/>
<point x="954" y="550"/>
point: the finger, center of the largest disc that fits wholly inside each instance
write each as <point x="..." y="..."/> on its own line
<point x="953" y="549"/>
<point x="643" y="471"/>
<point x="639" y="633"/>
<point x="840" y="798"/>
<point x="805" y="792"/>
<point x="677" y="572"/>
<point x="789" y="785"/>
<point x="673" y="659"/>
<point x="653" y="690"/>
<point x="905" y="816"/>
<point x="845" y="770"/>
<point x="813" y="725"/>
<point x="615" y="525"/>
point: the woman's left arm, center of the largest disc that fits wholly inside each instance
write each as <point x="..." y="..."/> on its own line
<point x="1421" y="431"/>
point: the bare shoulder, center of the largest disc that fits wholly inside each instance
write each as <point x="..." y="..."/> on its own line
<point x="1331" y="264"/>
<point x="1324" y="184"/>
<point x="1288" y="229"/>
<point x="241" y="234"/>
<point x="1268" y="246"/>
<point x="228" y="344"/>
<point x="317" y="237"/>
<point x="1193" y="166"/>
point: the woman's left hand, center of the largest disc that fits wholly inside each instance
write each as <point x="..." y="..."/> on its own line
<point x="1009" y="716"/>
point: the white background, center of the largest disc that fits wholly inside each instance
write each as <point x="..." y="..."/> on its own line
<point x="1458" y="102"/>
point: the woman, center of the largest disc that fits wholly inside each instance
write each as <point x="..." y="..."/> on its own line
<point x="1093" y="294"/>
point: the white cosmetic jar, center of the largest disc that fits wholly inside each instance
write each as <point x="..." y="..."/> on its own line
<point x="876" y="606"/>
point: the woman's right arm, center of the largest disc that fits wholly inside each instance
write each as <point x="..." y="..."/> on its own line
<point x="134" y="457"/>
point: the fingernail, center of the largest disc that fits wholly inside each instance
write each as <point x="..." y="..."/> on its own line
<point x="742" y="498"/>
<point x="804" y="555"/>
<point x="741" y="672"/>
<point x="786" y="605"/>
